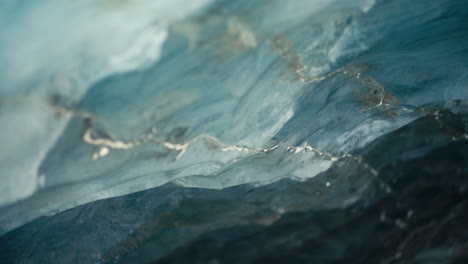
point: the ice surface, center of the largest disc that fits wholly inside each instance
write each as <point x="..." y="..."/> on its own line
<point x="105" y="98"/>
<point x="418" y="193"/>
<point x="51" y="53"/>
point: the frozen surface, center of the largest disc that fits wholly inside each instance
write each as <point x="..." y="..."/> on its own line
<point x="105" y="98"/>
<point x="411" y="209"/>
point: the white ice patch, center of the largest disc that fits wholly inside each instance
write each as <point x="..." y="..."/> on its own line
<point x="367" y="5"/>
<point x="142" y="53"/>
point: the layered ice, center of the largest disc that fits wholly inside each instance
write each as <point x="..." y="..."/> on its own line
<point x="105" y="98"/>
<point x="372" y="200"/>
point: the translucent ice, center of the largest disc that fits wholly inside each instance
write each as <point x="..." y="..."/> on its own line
<point x="105" y="98"/>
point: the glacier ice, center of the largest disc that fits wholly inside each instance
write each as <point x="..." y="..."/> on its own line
<point x="106" y="98"/>
<point x="321" y="219"/>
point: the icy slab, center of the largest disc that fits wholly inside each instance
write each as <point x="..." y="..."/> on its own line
<point x="417" y="191"/>
<point x="207" y="94"/>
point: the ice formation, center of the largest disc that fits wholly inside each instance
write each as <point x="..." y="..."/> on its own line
<point x="106" y="98"/>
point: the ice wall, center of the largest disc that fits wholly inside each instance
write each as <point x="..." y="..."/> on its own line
<point x="106" y="98"/>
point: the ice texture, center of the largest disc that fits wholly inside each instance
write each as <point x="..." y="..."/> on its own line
<point x="105" y="98"/>
<point x="411" y="209"/>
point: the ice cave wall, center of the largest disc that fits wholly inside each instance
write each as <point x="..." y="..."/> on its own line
<point x="100" y="99"/>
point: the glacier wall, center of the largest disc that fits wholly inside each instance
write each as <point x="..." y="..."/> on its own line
<point x="100" y="99"/>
